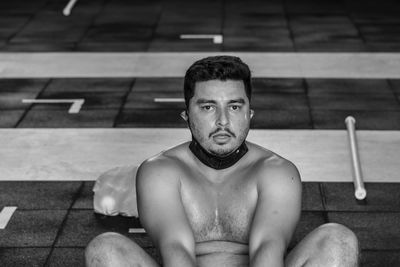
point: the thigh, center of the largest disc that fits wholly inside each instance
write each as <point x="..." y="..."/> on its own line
<point x="113" y="249"/>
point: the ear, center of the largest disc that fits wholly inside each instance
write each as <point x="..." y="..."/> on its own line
<point x="251" y="113"/>
<point x="184" y="115"/>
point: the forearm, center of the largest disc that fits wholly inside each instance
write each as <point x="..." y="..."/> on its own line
<point x="268" y="254"/>
<point x="177" y="256"/>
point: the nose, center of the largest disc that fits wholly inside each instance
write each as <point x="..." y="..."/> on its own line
<point x="223" y="118"/>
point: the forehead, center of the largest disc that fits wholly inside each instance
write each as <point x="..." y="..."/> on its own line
<point x="216" y="89"/>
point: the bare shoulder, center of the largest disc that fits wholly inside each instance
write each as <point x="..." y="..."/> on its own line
<point x="274" y="170"/>
<point x="163" y="167"/>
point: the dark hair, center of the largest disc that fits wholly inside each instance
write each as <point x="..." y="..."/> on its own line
<point x="216" y="68"/>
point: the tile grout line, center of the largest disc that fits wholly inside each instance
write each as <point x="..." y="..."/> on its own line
<point x="125" y="98"/>
<point x="155" y="27"/>
<point x="63" y="223"/>
<point x="26" y="111"/>
<point x="310" y="110"/>
<point x="29" y="20"/>
<point x="91" y="23"/>
<point x="323" y="199"/>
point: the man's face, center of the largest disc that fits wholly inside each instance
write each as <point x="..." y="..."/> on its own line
<point x="219" y="115"/>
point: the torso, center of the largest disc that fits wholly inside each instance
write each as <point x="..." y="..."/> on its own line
<point x="220" y="204"/>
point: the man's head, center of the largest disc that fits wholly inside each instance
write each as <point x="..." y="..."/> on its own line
<point x="217" y="94"/>
<point x="216" y="68"/>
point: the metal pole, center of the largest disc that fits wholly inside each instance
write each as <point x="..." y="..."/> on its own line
<point x="360" y="192"/>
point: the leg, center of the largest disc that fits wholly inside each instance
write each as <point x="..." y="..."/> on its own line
<point x="329" y="245"/>
<point x="112" y="249"/>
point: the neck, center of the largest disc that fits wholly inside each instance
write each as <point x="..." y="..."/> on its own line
<point x="214" y="161"/>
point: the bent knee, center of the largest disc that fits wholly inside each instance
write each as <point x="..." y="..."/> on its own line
<point x="340" y="242"/>
<point x="338" y="233"/>
<point x="104" y="247"/>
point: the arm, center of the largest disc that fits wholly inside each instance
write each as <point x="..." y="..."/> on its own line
<point x="162" y="214"/>
<point x="276" y="215"/>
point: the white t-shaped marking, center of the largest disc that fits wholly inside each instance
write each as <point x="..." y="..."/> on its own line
<point x="136" y="230"/>
<point x="217" y="38"/>
<point x="5" y="216"/>
<point x="168" y="100"/>
<point x="75" y="107"/>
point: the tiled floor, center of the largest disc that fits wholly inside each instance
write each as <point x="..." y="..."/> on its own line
<point x="278" y="103"/>
<point x="55" y="220"/>
<point x="121" y="25"/>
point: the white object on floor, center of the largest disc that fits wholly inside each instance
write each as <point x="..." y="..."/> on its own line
<point x="217" y="38"/>
<point x="168" y="100"/>
<point x="75" y="107"/>
<point x="68" y="8"/>
<point x="169" y="64"/>
<point x="84" y="154"/>
<point x="360" y="192"/>
<point x="5" y="216"/>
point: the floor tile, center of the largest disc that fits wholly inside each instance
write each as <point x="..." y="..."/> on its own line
<point x="22" y="85"/>
<point x="146" y="100"/>
<point x="23" y="256"/>
<point x="159" y="85"/>
<point x="277" y="85"/>
<point x="328" y="87"/>
<point x="312" y="199"/>
<point x="66" y="257"/>
<point x="85" y="85"/>
<point x="395" y="85"/>
<point x="281" y="119"/>
<point x="93" y="99"/>
<point x="380" y="197"/>
<point x="85" y="198"/>
<point x="39" y="195"/>
<point x="13" y="100"/>
<point x="83" y="225"/>
<point x="150" y="118"/>
<point x="355" y="102"/>
<point x="161" y="44"/>
<point x="375" y="230"/>
<point x="32" y="228"/>
<point x="136" y="46"/>
<point x="330" y="46"/>
<point x="365" y="120"/>
<point x="37" y="118"/>
<point x="308" y="222"/>
<point x="40" y="46"/>
<point x="279" y="101"/>
<point x="10" y="118"/>
<point x="118" y="32"/>
<point x="380" y="258"/>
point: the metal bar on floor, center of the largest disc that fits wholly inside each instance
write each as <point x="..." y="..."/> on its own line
<point x="360" y="192"/>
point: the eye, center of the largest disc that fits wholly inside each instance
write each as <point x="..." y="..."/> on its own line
<point x="207" y="107"/>
<point x="235" y="107"/>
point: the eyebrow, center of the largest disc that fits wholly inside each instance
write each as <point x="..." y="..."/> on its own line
<point x="205" y="101"/>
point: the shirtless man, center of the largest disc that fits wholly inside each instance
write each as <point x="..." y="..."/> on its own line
<point x="220" y="200"/>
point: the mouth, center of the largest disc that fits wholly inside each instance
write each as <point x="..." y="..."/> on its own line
<point x="221" y="137"/>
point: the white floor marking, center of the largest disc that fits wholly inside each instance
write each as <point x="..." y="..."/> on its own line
<point x="68" y="8"/>
<point x="5" y="216"/>
<point x="136" y="230"/>
<point x="168" y="100"/>
<point x="75" y="106"/>
<point x="272" y="65"/>
<point x="217" y="38"/>
<point x="83" y="154"/>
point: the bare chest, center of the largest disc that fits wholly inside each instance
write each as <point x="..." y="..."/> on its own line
<point x="220" y="212"/>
